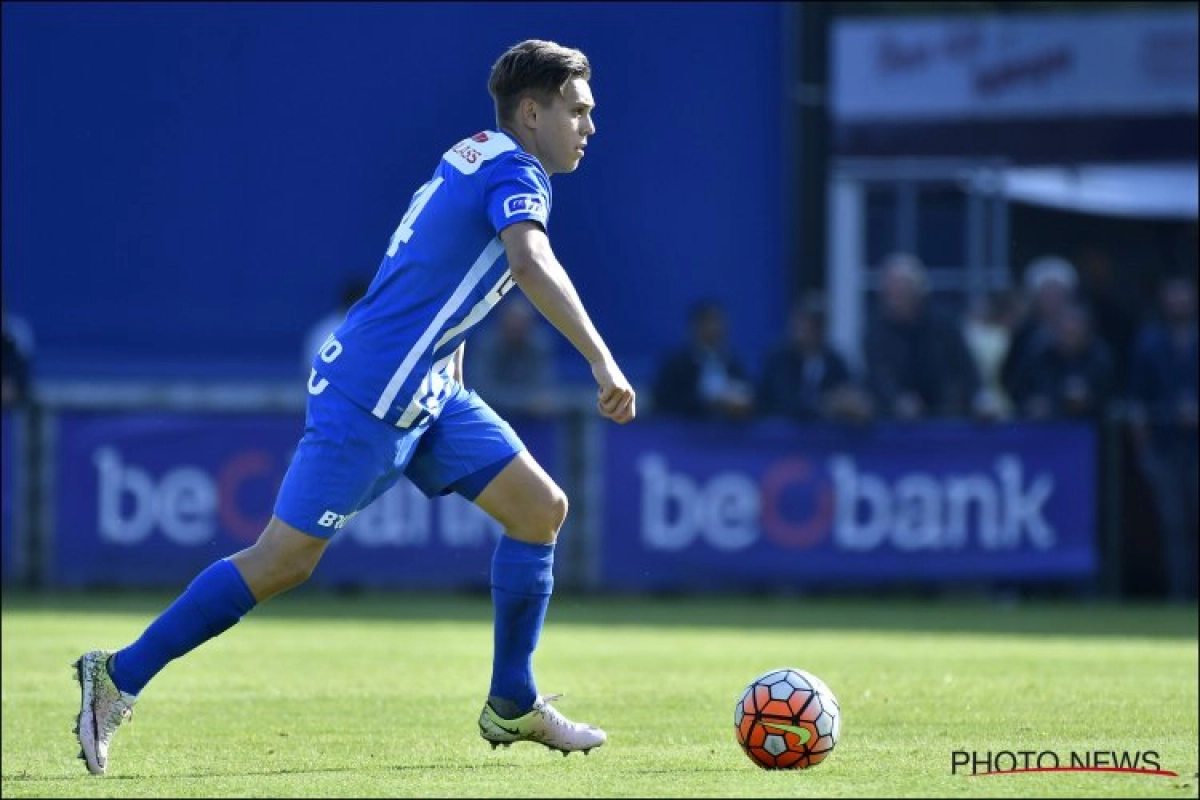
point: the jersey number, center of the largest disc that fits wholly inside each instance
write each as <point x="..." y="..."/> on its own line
<point x="404" y="230"/>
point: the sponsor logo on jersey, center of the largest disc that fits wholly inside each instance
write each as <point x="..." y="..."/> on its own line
<point x="471" y="153"/>
<point x="531" y="204"/>
<point x="468" y="153"/>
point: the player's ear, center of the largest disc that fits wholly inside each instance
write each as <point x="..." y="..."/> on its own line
<point x="527" y="111"/>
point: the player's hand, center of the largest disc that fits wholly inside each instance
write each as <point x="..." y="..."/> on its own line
<point x="615" y="398"/>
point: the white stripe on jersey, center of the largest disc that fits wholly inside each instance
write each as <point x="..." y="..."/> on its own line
<point x="487" y="258"/>
<point x="431" y="386"/>
<point x="480" y="310"/>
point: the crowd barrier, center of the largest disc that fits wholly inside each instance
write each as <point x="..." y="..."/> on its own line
<point x="126" y="498"/>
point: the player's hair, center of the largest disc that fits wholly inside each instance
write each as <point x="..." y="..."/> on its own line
<point x="534" y="67"/>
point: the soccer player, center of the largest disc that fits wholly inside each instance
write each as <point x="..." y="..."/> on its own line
<point x="386" y="400"/>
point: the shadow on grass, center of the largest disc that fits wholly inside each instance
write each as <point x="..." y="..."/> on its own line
<point x="899" y="614"/>
<point x="358" y="769"/>
<point x="208" y="775"/>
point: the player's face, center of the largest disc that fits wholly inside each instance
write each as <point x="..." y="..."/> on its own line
<point x="564" y="127"/>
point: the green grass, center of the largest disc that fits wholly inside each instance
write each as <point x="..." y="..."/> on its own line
<point x="334" y="696"/>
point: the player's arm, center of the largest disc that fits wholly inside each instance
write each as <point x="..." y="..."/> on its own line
<point x="542" y="278"/>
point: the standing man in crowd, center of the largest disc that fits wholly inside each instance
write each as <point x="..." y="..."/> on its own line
<point x="918" y="365"/>
<point x="1164" y="411"/>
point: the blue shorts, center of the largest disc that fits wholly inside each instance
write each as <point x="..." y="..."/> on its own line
<point x="348" y="457"/>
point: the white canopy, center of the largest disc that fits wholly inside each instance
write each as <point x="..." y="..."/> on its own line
<point x="1145" y="191"/>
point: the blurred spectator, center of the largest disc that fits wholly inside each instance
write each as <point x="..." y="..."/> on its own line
<point x="1071" y="377"/>
<point x="15" y="383"/>
<point x="1163" y="413"/>
<point x="1114" y="312"/>
<point x="988" y="334"/>
<point x="702" y="379"/>
<point x="918" y="365"/>
<point x="1050" y="284"/>
<point x="352" y="291"/>
<point x="510" y="363"/>
<point x="805" y="379"/>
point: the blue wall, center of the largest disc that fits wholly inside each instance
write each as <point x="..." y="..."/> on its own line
<point x="187" y="185"/>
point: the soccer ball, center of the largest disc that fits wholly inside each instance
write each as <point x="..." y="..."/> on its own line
<point x="787" y="719"/>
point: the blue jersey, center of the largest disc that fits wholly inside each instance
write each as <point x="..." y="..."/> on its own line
<point x="444" y="269"/>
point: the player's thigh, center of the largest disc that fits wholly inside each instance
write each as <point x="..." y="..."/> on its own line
<point x="343" y="462"/>
<point x="525" y="500"/>
<point x="471" y="450"/>
<point x="464" y="449"/>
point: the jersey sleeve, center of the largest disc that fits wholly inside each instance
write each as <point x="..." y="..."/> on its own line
<point x="517" y="191"/>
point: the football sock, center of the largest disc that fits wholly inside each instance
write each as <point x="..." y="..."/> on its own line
<point x="522" y="582"/>
<point x="210" y="605"/>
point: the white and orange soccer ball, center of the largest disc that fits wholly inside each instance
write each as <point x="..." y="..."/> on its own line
<point x="787" y="719"/>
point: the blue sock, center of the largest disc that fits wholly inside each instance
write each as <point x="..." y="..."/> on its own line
<point x="522" y="581"/>
<point x="211" y="605"/>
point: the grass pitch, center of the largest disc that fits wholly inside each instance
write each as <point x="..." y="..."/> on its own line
<point x="376" y="696"/>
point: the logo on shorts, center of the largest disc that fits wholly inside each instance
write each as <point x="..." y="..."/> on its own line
<point x="332" y="519"/>
<point x="532" y="204"/>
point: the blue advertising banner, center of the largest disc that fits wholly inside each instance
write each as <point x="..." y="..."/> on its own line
<point x="149" y="499"/>
<point x="772" y="505"/>
<point x="10" y="480"/>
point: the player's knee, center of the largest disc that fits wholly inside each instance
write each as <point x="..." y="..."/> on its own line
<point x="275" y="563"/>
<point x="542" y="521"/>
<point x="556" y="510"/>
<point x="285" y="573"/>
<point x="297" y="571"/>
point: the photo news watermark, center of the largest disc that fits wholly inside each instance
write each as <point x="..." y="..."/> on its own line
<point x="974" y="763"/>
